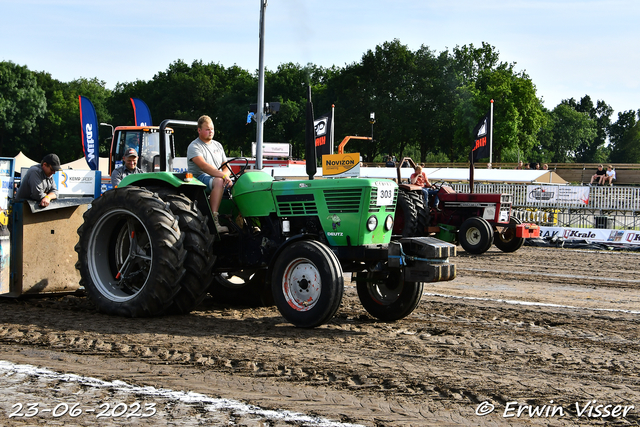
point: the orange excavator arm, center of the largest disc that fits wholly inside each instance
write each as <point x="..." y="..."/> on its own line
<point x="346" y="139"/>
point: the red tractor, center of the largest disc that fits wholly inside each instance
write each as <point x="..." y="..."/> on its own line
<point x="475" y="221"/>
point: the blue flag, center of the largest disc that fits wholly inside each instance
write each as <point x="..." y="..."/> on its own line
<point x="141" y="113"/>
<point x="89" y="124"/>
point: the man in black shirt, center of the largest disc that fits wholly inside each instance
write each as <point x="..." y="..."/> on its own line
<point x="598" y="176"/>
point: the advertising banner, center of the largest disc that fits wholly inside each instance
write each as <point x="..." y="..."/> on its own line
<point x="341" y="165"/>
<point x="629" y="237"/>
<point x="272" y="149"/>
<point x="77" y="183"/>
<point x="557" y="195"/>
<point x="141" y="113"/>
<point x="323" y="135"/>
<point x="89" y="125"/>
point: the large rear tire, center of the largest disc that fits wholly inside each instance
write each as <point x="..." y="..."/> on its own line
<point x="199" y="260"/>
<point x="405" y="221"/>
<point x="508" y="241"/>
<point x="475" y="235"/>
<point x="387" y="296"/>
<point x="130" y="253"/>
<point x="307" y="283"/>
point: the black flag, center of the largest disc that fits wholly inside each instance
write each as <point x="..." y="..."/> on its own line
<point x="480" y="145"/>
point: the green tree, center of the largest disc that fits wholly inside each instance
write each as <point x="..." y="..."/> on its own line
<point x="185" y="92"/>
<point x="59" y="130"/>
<point x="570" y="130"/>
<point x="518" y="112"/>
<point x="622" y="135"/>
<point x="383" y="82"/>
<point x="600" y="113"/>
<point x="22" y="102"/>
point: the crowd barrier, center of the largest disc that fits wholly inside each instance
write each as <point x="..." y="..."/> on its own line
<point x="602" y="207"/>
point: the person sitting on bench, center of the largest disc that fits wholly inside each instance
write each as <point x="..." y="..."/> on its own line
<point x="598" y="176"/>
<point x="610" y="176"/>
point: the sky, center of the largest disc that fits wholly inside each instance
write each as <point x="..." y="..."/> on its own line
<point x="569" y="48"/>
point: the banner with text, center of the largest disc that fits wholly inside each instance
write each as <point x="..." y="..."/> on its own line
<point x="557" y="194"/>
<point x="323" y="132"/>
<point x="89" y="125"/>
<point x="141" y="113"/>
<point x="341" y="165"/>
<point x="603" y="235"/>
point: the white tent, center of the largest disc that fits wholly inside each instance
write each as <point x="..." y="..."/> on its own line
<point x="22" y="161"/>
<point x="81" y="164"/>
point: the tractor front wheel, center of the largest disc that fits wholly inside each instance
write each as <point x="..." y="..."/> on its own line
<point x="475" y="235"/>
<point x="307" y="283"/>
<point x="386" y="296"/>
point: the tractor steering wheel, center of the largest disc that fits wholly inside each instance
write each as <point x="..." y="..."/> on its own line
<point x="242" y="168"/>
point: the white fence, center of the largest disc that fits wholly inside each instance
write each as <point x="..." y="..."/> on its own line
<point x="607" y="198"/>
<point x="596" y="207"/>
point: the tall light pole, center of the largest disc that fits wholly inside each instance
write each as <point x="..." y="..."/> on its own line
<point x="372" y="120"/>
<point x="260" y="116"/>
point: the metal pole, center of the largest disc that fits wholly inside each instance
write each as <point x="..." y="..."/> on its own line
<point x="333" y="116"/>
<point x="260" y="116"/>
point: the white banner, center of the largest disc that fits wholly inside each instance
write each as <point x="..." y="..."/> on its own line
<point x="272" y="149"/>
<point x="6" y="191"/>
<point x="76" y="183"/>
<point x="628" y="237"/>
<point x="557" y="194"/>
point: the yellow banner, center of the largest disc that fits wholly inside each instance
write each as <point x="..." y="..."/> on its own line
<point x="341" y="165"/>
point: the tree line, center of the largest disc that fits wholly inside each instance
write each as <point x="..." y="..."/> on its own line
<point x="426" y="104"/>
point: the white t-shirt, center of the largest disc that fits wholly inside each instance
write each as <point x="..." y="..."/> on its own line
<point x="612" y="173"/>
<point x="213" y="153"/>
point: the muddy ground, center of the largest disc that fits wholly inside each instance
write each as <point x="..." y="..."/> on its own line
<point x="474" y="345"/>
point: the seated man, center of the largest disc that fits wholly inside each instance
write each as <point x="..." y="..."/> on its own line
<point x="205" y="156"/>
<point x="598" y="176"/>
<point x="609" y="177"/>
<point x="129" y="166"/>
<point x="419" y="178"/>
<point x="38" y="184"/>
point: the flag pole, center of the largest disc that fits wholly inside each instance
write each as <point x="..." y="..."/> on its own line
<point x="333" y="108"/>
<point x="491" y="134"/>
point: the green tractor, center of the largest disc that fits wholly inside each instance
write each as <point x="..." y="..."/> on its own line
<point x="149" y="246"/>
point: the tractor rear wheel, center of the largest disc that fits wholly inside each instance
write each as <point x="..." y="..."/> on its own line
<point x="130" y="253"/>
<point x="508" y="241"/>
<point x="405" y="222"/>
<point x="199" y="261"/>
<point x="386" y="296"/>
<point x="307" y="283"/>
<point x="475" y="235"/>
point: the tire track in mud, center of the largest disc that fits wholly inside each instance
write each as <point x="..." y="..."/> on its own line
<point x="440" y="363"/>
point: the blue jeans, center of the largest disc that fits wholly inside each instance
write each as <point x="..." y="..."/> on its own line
<point x="206" y="179"/>
<point x="426" y="192"/>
